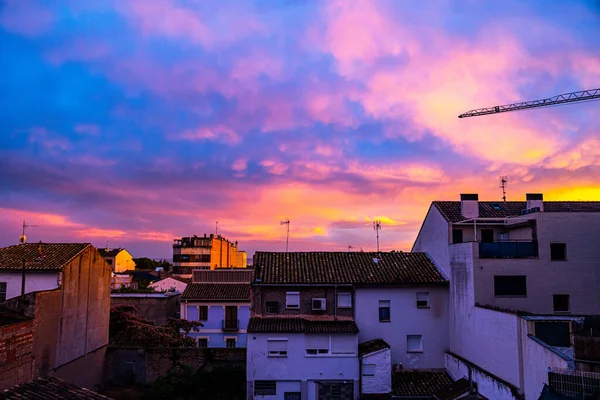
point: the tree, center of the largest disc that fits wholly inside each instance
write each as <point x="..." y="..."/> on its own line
<point x="128" y="328"/>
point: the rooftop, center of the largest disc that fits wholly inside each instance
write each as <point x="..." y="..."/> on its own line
<point x="451" y="210"/>
<point x="217" y="291"/>
<point x="419" y="382"/>
<point x="358" y="268"/>
<point x="299" y="325"/>
<point x="110" y="253"/>
<point x="40" y="256"/>
<point x="372" y="346"/>
<point x="49" y="387"/>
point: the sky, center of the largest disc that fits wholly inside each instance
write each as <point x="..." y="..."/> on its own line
<point x="135" y="122"/>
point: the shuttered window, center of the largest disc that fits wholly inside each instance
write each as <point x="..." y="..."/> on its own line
<point x="292" y="300"/>
<point x="343" y="344"/>
<point x="277" y="347"/>
<point x="317" y="344"/>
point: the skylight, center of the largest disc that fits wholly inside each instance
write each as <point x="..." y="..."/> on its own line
<point x="496" y="206"/>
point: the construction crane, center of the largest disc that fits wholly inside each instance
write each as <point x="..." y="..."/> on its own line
<point x="584" y="95"/>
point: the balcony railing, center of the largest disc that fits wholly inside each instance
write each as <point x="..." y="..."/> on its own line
<point x="231" y="325"/>
<point x="509" y="249"/>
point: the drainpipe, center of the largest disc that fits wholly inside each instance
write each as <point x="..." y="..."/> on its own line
<point x="335" y="302"/>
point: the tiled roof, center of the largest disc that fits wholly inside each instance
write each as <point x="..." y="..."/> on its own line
<point x="299" y="325"/>
<point x="109" y="253"/>
<point x="372" y="346"/>
<point x="217" y="291"/>
<point x="358" y="268"/>
<point x="451" y="209"/>
<point x="419" y="382"/>
<point x="54" y="255"/>
<point x="49" y="388"/>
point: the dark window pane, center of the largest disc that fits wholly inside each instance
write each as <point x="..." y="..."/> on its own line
<point x="203" y="313"/>
<point x="265" y="388"/>
<point x="561" y="302"/>
<point x="510" y="285"/>
<point x="558" y="251"/>
<point x="457" y="236"/>
<point x="487" y="235"/>
<point x="272" y="307"/>
<point x="384" y="313"/>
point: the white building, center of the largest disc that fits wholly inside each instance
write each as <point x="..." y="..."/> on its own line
<point x="375" y="367"/>
<point x="170" y="284"/>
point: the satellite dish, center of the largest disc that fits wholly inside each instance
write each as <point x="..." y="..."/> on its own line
<point x="22" y="239"/>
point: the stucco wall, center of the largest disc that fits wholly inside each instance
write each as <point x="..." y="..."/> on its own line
<point x="434" y="238"/>
<point x="297" y="366"/>
<point x="577" y="276"/>
<point x="406" y="319"/>
<point x="213" y="327"/>
<point x="34" y="282"/>
<point x="124" y="262"/>
<point x="156" y="308"/>
<point x="381" y="382"/>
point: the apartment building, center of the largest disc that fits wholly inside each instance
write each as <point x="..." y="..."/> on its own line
<point x="220" y="300"/>
<point x="534" y="255"/>
<point x="208" y="252"/>
<point x="310" y="312"/>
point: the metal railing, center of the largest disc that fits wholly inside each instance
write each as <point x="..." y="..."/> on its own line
<point x="572" y="383"/>
<point x="231" y="325"/>
<point x="509" y="249"/>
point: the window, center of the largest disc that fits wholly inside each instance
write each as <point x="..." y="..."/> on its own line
<point x="343" y="344"/>
<point x="230" y="343"/>
<point x="2" y="292"/>
<point x="510" y="285"/>
<point x="203" y="343"/>
<point x="344" y="300"/>
<point x="457" y="236"/>
<point x="272" y="307"/>
<point x="487" y="235"/>
<point x="496" y="206"/>
<point x="202" y="313"/>
<point x="561" y="302"/>
<point x="368" y="370"/>
<point x="265" y="388"/>
<point x="384" y="311"/>
<point x="414" y="343"/>
<point x="422" y="299"/>
<point x="277" y="347"/>
<point x="292" y="300"/>
<point x="317" y="344"/>
<point x="558" y="251"/>
<point x="503" y="237"/>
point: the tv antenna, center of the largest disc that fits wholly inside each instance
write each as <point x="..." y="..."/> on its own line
<point x="287" y="237"/>
<point x="377" y="227"/>
<point x="503" y="183"/>
<point x="23" y="238"/>
<point x="217" y="228"/>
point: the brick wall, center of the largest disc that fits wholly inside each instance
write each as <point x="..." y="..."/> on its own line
<point x="129" y="365"/>
<point x="263" y="294"/>
<point x="16" y="359"/>
<point x="587" y="347"/>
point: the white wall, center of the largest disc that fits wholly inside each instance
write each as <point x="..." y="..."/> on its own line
<point x="168" y="283"/>
<point x="381" y="382"/>
<point x="433" y="238"/>
<point x="406" y="319"/>
<point x="296" y="366"/>
<point x="34" y="282"/>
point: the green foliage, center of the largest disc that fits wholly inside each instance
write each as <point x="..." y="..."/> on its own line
<point x="148" y="263"/>
<point x="127" y="328"/>
<point x="221" y="383"/>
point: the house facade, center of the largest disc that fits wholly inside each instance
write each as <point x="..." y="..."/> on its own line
<point x="119" y="259"/>
<point x="206" y="253"/>
<point x="311" y="310"/>
<point x="171" y="284"/>
<point x="220" y="300"/>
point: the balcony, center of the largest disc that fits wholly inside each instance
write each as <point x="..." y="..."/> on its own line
<point x="509" y="249"/>
<point x="231" y="325"/>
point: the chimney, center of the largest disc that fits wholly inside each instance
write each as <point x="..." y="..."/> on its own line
<point x="535" y="200"/>
<point x="469" y="205"/>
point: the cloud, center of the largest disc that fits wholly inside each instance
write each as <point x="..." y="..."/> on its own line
<point x="215" y="133"/>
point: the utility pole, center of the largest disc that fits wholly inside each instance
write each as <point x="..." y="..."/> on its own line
<point x="287" y="237"/>
<point x="377" y="227"/>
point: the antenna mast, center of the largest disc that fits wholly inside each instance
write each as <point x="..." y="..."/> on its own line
<point x="217" y="228"/>
<point x="503" y="183"/>
<point x="377" y="227"/>
<point x="22" y="240"/>
<point x="287" y="237"/>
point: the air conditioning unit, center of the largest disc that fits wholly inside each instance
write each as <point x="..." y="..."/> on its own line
<point x="318" y="304"/>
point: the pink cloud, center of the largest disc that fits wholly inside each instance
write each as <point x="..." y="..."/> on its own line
<point x="214" y="133"/>
<point x="26" y="17"/>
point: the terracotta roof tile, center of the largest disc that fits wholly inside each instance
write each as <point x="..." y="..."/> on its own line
<point x="419" y="382"/>
<point x="372" y="346"/>
<point x="49" y="388"/>
<point x="54" y="255"/>
<point x="358" y="268"/>
<point x="299" y="325"/>
<point x="451" y="209"/>
<point x="217" y="291"/>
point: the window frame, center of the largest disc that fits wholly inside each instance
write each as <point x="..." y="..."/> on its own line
<point x="227" y="341"/>
<point x="509" y="294"/>
<point x="270" y="391"/>
<point x="198" y="339"/>
<point x="420" y="343"/>
<point x="568" y="298"/>
<point x="564" y="250"/>
<point x="349" y="294"/>
<point x="280" y="353"/>
<point x="364" y="373"/>
<point x="293" y="306"/>
<point x="267" y="303"/>
<point x="426" y="305"/>
<point x="389" y="311"/>
<point x="317" y="351"/>
<point x="200" y="313"/>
